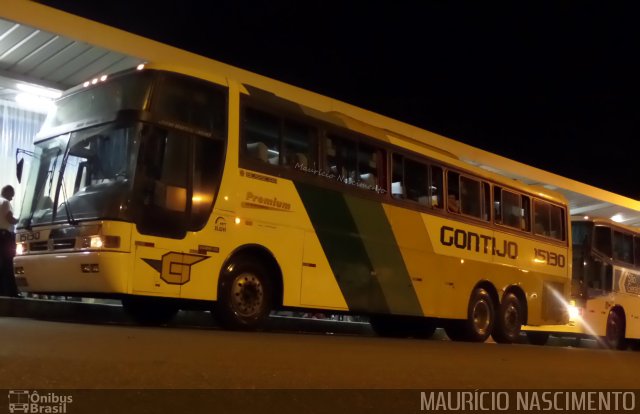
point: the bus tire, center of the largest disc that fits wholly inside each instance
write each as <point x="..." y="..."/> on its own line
<point x="508" y="321"/>
<point x="615" y="333"/>
<point x="537" y="338"/>
<point x="149" y="311"/>
<point x="245" y="295"/>
<point x="480" y="319"/>
<point x="393" y="326"/>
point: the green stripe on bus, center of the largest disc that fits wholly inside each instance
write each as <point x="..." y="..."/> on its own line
<point x="383" y="250"/>
<point x="343" y="247"/>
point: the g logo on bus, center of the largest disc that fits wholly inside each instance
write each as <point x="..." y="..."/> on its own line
<point x="174" y="267"/>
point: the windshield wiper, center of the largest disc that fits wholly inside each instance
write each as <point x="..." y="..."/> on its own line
<point x="65" y="203"/>
<point x="67" y="207"/>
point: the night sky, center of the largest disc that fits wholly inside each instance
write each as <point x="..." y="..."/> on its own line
<point x="552" y="84"/>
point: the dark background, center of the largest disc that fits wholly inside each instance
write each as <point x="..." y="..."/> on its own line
<point x="551" y="84"/>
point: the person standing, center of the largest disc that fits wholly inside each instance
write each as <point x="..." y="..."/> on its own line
<point x="7" y="243"/>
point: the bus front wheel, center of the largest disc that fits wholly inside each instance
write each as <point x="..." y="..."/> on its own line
<point x="614" y="338"/>
<point x="509" y="320"/>
<point x="244" y="295"/>
<point x="480" y="319"/>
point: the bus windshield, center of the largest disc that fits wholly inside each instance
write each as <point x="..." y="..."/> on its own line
<point x="81" y="175"/>
<point x="581" y="233"/>
<point x="163" y="180"/>
<point x="145" y="147"/>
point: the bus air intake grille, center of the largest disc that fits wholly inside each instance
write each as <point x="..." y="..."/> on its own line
<point x="59" y="244"/>
<point x="39" y="246"/>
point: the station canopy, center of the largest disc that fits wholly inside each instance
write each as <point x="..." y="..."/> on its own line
<point x="43" y="46"/>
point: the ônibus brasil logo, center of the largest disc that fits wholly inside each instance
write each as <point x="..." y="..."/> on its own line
<point x="24" y="401"/>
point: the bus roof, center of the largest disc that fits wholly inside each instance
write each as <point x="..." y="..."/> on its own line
<point x="606" y="221"/>
<point x="583" y="198"/>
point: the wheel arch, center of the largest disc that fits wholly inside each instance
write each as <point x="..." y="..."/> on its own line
<point x="491" y="289"/>
<point x="620" y="311"/>
<point x="266" y="258"/>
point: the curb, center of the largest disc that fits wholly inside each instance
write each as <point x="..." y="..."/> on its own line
<point x="82" y="312"/>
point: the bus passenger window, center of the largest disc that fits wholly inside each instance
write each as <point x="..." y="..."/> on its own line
<point x="541" y="218"/>
<point x="556" y="223"/>
<point x="367" y="167"/>
<point x="341" y="159"/>
<point x="453" y="192"/>
<point x="299" y="143"/>
<point x="397" y="177"/>
<point x="416" y="181"/>
<point x="262" y="136"/>
<point x="470" y="194"/>
<point x="453" y="204"/>
<point x="511" y="210"/>
<point x="486" y="201"/>
<point x="436" y="186"/>
<point x="497" y="204"/>
<point x="622" y="247"/>
<point x="602" y="240"/>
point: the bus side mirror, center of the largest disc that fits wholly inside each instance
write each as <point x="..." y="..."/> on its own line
<point x="20" y="164"/>
<point x="19" y="167"/>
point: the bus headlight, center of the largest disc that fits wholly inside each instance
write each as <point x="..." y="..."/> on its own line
<point x="100" y="242"/>
<point x="21" y="248"/>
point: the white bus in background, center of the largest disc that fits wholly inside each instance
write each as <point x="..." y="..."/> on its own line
<point x="605" y="285"/>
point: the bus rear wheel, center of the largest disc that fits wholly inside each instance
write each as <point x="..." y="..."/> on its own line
<point x="148" y="310"/>
<point x="480" y="319"/>
<point x="245" y="296"/>
<point x="402" y="326"/>
<point x="509" y="320"/>
<point x="614" y="338"/>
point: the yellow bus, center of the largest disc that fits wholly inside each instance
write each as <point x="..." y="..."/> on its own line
<point x="185" y="189"/>
<point x="605" y="295"/>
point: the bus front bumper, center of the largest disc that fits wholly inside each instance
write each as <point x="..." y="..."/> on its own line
<point x="82" y="272"/>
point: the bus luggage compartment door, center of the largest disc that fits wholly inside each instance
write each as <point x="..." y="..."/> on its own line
<point x="153" y="272"/>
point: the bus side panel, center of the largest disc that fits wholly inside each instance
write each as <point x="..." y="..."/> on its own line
<point x="381" y="244"/>
<point x="318" y="287"/>
<point x="473" y="253"/>
<point x="422" y="266"/>
<point x="361" y="246"/>
<point x="344" y="248"/>
<point x="626" y="284"/>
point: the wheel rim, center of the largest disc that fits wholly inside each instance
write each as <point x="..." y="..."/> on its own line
<point x="511" y="318"/>
<point x="247" y="295"/>
<point x="481" y="317"/>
